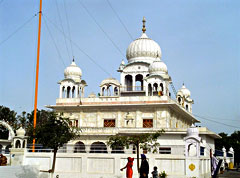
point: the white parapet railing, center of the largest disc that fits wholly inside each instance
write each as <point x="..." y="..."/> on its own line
<point x="102" y="148"/>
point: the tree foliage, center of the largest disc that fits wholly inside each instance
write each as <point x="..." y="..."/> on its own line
<point x="9" y="116"/>
<point x="53" y="133"/>
<point x="228" y="141"/>
<point x="146" y="141"/>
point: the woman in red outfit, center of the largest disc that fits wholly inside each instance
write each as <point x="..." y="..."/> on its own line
<point x="129" y="171"/>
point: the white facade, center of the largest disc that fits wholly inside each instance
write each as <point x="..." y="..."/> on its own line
<point x="140" y="102"/>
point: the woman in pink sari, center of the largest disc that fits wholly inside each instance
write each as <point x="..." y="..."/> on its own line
<point x="129" y="171"/>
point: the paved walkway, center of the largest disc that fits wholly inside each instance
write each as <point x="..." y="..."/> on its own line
<point x="230" y="174"/>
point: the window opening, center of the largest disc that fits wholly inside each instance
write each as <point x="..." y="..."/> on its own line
<point x="139" y="82"/>
<point x="98" y="147"/>
<point x="165" y="150"/>
<point x="79" y="148"/>
<point x="147" y="123"/>
<point x="128" y="82"/>
<point x="109" y="123"/>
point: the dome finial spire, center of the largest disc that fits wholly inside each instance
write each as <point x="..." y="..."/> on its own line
<point x="143" y="28"/>
<point x="73" y="59"/>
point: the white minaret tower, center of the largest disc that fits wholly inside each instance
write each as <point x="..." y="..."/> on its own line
<point x="72" y="86"/>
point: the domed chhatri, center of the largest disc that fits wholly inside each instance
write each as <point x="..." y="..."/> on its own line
<point x="73" y="72"/>
<point x="143" y="49"/>
<point x="110" y="81"/>
<point x="20" y="132"/>
<point x="186" y="93"/>
<point x="158" y="67"/>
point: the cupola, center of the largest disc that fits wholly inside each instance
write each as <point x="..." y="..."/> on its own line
<point x="73" y="72"/>
<point x="143" y="49"/>
<point x="158" y="67"/>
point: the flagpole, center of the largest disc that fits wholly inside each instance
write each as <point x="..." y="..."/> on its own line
<point x="37" y="72"/>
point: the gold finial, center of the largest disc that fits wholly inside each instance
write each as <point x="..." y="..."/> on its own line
<point x="144" y="21"/>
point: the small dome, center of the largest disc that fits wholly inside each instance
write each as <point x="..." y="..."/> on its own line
<point x="20" y="132"/>
<point x="122" y="65"/>
<point x="110" y="81"/>
<point x="158" y="67"/>
<point x="73" y="72"/>
<point x="143" y="49"/>
<point x="184" y="91"/>
<point x="192" y="131"/>
<point x="92" y="95"/>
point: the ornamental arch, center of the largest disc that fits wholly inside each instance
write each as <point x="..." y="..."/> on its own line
<point x="11" y="133"/>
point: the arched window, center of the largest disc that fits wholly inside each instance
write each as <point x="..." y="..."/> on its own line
<point x="149" y="89"/>
<point x="179" y="100"/>
<point x="98" y="147"/>
<point x="68" y="92"/>
<point x="109" y="90"/>
<point x="18" y="144"/>
<point x="187" y="107"/>
<point x="128" y="82"/>
<point x="139" y="82"/>
<point x="155" y="87"/>
<point x="103" y="90"/>
<point x="7" y="151"/>
<point x="73" y="92"/>
<point x="116" y="91"/>
<point x="161" y="87"/>
<point x="118" y="149"/>
<point x="63" y="92"/>
<point x="79" y="148"/>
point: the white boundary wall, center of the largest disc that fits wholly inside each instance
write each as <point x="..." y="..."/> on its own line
<point x="100" y="165"/>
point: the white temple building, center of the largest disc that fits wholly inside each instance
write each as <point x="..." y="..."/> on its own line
<point x="139" y="102"/>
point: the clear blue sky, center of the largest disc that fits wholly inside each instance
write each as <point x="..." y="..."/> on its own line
<point x="200" y="44"/>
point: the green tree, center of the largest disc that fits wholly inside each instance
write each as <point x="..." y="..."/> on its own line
<point x="229" y="141"/>
<point x="9" y="116"/>
<point x="223" y="142"/>
<point x="146" y="141"/>
<point x="54" y="133"/>
<point x="235" y="143"/>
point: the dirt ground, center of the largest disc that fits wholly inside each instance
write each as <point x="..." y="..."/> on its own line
<point x="230" y="174"/>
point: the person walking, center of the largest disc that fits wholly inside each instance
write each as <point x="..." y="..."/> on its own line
<point x="129" y="171"/>
<point x="144" y="168"/>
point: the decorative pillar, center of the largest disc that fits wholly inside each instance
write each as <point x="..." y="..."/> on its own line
<point x="231" y="151"/>
<point x="146" y="88"/>
<point x="192" y="153"/>
<point x="70" y="93"/>
<point x="82" y="95"/>
<point x="65" y="89"/>
<point x="76" y="91"/>
<point x="60" y="92"/>
<point x="133" y="82"/>
<point x="18" y="152"/>
<point x="224" y="153"/>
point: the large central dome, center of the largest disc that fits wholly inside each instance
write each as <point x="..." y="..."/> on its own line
<point x="143" y="49"/>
